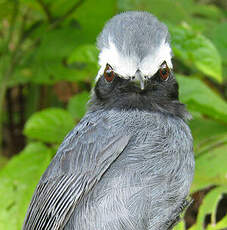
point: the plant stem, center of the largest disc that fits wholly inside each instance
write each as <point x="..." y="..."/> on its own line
<point x="3" y="87"/>
<point x="46" y="10"/>
<point x="4" y="77"/>
<point x="67" y="14"/>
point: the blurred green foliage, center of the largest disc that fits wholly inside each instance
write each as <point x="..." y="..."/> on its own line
<point x="47" y="49"/>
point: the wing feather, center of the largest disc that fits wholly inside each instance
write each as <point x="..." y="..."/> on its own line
<point x="56" y="197"/>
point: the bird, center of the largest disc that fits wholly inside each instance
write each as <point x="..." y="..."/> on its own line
<point x="129" y="163"/>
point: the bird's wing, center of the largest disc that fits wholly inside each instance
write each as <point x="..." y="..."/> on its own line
<point x="81" y="161"/>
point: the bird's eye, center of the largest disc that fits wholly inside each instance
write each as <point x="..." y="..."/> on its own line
<point x="109" y="73"/>
<point x="164" y="71"/>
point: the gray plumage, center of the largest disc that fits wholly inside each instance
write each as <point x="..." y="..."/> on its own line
<point x="129" y="162"/>
<point x="133" y="33"/>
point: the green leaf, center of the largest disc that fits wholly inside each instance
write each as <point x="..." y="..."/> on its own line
<point x="58" y="43"/>
<point x="77" y="104"/>
<point x="209" y="206"/>
<point x="180" y="13"/>
<point x="180" y="226"/>
<point x="225" y="72"/>
<point x="204" y="139"/>
<point x="92" y="15"/>
<point x="201" y="98"/>
<point x="60" y="7"/>
<point x="49" y="125"/>
<point x="85" y="53"/>
<point x="208" y="11"/>
<point x="192" y="227"/>
<point x="219" y="38"/>
<point x="48" y="65"/>
<point x="210" y="168"/>
<point x="85" y="58"/>
<point x="195" y="49"/>
<point x="51" y="71"/>
<point x="3" y="161"/>
<point x="18" y="180"/>
<point x="221" y="225"/>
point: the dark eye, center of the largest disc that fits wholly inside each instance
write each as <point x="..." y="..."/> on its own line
<point x="164" y="71"/>
<point x="109" y="73"/>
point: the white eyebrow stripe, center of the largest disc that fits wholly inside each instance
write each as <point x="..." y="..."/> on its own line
<point x="126" y="67"/>
<point x="152" y="63"/>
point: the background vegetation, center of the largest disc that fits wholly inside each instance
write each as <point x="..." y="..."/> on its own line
<point x="48" y="61"/>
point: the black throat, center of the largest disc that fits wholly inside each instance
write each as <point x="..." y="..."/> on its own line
<point x="122" y="94"/>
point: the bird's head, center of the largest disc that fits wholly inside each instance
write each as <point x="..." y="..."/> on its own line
<point x="136" y="68"/>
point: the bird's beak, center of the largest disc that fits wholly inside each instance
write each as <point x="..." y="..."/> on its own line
<point x="140" y="78"/>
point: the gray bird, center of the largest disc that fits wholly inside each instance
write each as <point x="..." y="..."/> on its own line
<point x="129" y="162"/>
